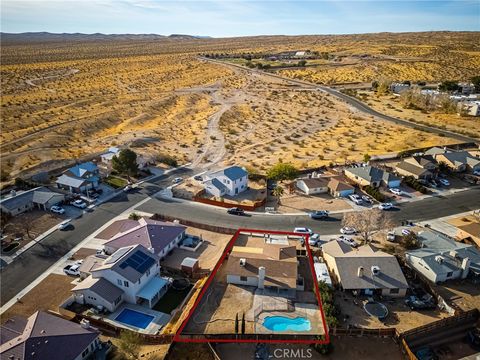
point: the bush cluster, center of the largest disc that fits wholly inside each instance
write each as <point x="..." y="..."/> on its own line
<point x="375" y="193"/>
<point x="410" y="181"/>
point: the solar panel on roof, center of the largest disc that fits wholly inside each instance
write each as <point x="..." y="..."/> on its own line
<point x="138" y="261"/>
<point x="117" y="255"/>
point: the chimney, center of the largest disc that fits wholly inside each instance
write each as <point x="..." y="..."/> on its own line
<point x="360" y="271"/>
<point x="465" y="267"/>
<point x="261" y="277"/>
<point x="453" y="254"/>
<point x="243" y="262"/>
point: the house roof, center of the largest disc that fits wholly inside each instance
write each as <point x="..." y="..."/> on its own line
<point x="130" y="262"/>
<point x="313" y="183"/>
<point x="435" y="151"/>
<point x="46" y="336"/>
<point x="233" y="173"/>
<point x="80" y="170"/>
<point x="70" y="181"/>
<point x="411" y="168"/>
<point x="336" y="184"/>
<point x="458" y="158"/>
<point x="20" y="199"/>
<point x="216" y="183"/>
<point x="372" y="174"/>
<point x="117" y="227"/>
<point x="149" y="233"/>
<point x="420" y="161"/>
<point x="349" y="260"/>
<point x="90" y="263"/>
<point x="44" y="195"/>
<point x="472" y="229"/>
<point x="100" y="286"/>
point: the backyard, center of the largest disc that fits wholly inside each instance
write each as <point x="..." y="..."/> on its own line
<point x="172" y="299"/>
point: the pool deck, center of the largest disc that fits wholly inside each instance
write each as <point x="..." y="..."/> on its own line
<point x="160" y="319"/>
<point x="309" y="311"/>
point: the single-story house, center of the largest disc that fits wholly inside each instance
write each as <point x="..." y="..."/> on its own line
<point x="364" y="269"/>
<point x="314" y="185"/>
<point x="436" y="150"/>
<point x="427" y="162"/>
<point x="79" y="178"/>
<point x="159" y="236"/>
<point x="339" y="188"/>
<point x="469" y="233"/>
<point x="459" y="161"/>
<point x="22" y="201"/>
<point x="229" y="181"/>
<point x="131" y="274"/>
<point x="406" y="168"/>
<point x="46" y="337"/>
<point x="372" y="176"/>
<point x="441" y="258"/>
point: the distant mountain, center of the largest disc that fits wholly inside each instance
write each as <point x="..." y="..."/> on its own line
<point x="54" y="37"/>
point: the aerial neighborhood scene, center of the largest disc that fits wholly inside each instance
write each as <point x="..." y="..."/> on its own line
<point x="230" y="180"/>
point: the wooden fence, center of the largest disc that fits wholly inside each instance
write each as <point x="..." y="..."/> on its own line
<point x="225" y="204"/>
<point x="218" y="229"/>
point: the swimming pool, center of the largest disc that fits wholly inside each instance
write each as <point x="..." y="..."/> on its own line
<point x="282" y="323"/>
<point x="134" y="318"/>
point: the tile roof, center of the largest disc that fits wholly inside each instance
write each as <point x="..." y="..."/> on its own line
<point x="117" y="227"/>
<point x="45" y="337"/>
<point x="100" y="286"/>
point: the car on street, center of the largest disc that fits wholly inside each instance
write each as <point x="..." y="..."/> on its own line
<point x="444" y="182"/>
<point x="319" y="214"/>
<point x="79" y="204"/>
<point x="367" y="199"/>
<point x="236" y="211"/>
<point x="303" y="230"/>
<point x="198" y="177"/>
<point x="356" y="199"/>
<point x="314" y="239"/>
<point x="348" y="230"/>
<point x="73" y="270"/>
<point x="177" y="180"/>
<point x="348" y="241"/>
<point x="396" y="191"/>
<point x="64" y="225"/>
<point x="385" y="206"/>
<point x="57" y="209"/>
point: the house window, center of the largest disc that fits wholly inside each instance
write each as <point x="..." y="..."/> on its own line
<point x="85" y="352"/>
<point x="243" y="278"/>
<point x="119" y="282"/>
<point x="125" y="283"/>
<point x="117" y="300"/>
<point x="394" y="291"/>
<point x="449" y="274"/>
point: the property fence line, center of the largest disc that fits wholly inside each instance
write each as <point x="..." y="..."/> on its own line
<point x="225" y="204"/>
<point x="213" y="228"/>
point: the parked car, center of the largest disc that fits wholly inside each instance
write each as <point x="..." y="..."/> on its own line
<point x="476" y="172"/>
<point x="367" y="199"/>
<point x="406" y="232"/>
<point x="356" y="199"/>
<point x="198" y="178"/>
<point x="348" y="241"/>
<point x="99" y="191"/>
<point x="236" y="211"/>
<point x="177" y="180"/>
<point x="348" y="230"/>
<point x="433" y="183"/>
<point x="79" y="204"/>
<point x="72" y="270"/>
<point x="320" y="214"/>
<point x="444" y="182"/>
<point x="92" y="194"/>
<point x="385" y="206"/>
<point x="423" y="182"/>
<point x="303" y="230"/>
<point x="64" y="225"/>
<point x="396" y="191"/>
<point x="57" y="209"/>
<point x="424" y="303"/>
<point x="391" y="236"/>
<point x="314" y="240"/>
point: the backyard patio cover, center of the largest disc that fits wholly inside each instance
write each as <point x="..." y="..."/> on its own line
<point x="155" y="286"/>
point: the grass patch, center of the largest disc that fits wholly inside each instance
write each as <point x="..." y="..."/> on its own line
<point x="171" y="300"/>
<point x="115" y="182"/>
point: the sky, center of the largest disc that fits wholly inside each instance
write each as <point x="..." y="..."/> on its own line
<point x="225" y="18"/>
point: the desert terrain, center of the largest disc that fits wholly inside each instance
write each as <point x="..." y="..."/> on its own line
<point x="65" y="99"/>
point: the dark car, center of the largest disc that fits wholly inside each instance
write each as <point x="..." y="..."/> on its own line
<point x="198" y="177"/>
<point x="321" y="214"/>
<point x="236" y="211"/>
<point x="424" y="303"/>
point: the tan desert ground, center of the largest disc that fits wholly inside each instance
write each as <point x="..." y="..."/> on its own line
<point x="63" y="101"/>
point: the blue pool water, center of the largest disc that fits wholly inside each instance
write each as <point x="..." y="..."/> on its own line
<point x="134" y="318"/>
<point x="281" y="323"/>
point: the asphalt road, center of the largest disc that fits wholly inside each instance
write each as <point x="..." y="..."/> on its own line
<point x="353" y="102"/>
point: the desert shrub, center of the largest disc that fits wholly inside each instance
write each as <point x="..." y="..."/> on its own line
<point x="413" y="183"/>
<point x="375" y="193"/>
<point x="167" y="160"/>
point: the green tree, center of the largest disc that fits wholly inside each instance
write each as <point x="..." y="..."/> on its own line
<point x="366" y="158"/>
<point x="134" y="216"/>
<point x="130" y="344"/>
<point x="302" y="63"/>
<point x="236" y="323"/>
<point x="449" y="86"/>
<point x="125" y="163"/>
<point x="278" y="191"/>
<point x="282" y="171"/>
<point x="476" y="81"/>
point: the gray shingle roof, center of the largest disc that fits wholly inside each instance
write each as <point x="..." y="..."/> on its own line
<point x="103" y="288"/>
<point x="46" y="337"/>
<point x="39" y="195"/>
<point x="372" y="174"/>
<point x="412" y="169"/>
<point x="462" y="157"/>
<point x="70" y="181"/>
<point x="44" y="196"/>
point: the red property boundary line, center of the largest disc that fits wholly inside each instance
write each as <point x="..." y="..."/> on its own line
<point x="326" y="340"/>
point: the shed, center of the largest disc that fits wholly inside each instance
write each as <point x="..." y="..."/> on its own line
<point x="189" y="265"/>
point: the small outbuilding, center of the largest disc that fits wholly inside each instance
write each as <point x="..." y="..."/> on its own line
<point x="189" y="265"/>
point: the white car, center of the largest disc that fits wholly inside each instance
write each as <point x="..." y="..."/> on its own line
<point x="313" y="240"/>
<point x="177" y="180"/>
<point x="476" y="172"/>
<point x="348" y="230"/>
<point x="444" y="182"/>
<point x="356" y="199"/>
<point x="367" y="199"/>
<point x="79" y="204"/>
<point x="348" y="241"/>
<point x="303" y="230"/>
<point x="72" y="270"/>
<point x="385" y="206"/>
<point x="396" y="191"/>
<point x="57" y="209"/>
<point x="64" y="225"/>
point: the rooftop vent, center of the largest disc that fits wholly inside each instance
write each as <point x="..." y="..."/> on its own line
<point x="360" y="271"/>
<point x="243" y="262"/>
<point x="375" y="270"/>
<point x="42" y="332"/>
<point x="439" y="259"/>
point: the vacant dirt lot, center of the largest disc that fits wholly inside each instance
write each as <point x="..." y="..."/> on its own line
<point x="304" y="203"/>
<point x="45" y="296"/>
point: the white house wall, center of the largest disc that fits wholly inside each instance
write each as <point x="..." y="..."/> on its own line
<point x="235" y="279"/>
